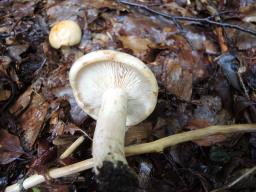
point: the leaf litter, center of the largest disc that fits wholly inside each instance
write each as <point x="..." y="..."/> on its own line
<point x="39" y="117"/>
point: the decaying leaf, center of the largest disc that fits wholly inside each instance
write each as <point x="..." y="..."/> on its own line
<point x="22" y="102"/>
<point x="138" y="134"/>
<point x="179" y="82"/>
<point x="138" y="45"/>
<point x="45" y="154"/>
<point x="32" y="120"/>
<point x="193" y="92"/>
<point x="10" y="148"/>
<point x="57" y="86"/>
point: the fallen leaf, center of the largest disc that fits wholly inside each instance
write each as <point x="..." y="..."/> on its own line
<point x="179" y="81"/>
<point x="137" y="44"/>
<point x="138" y="134"/>
<point x="22" y="102"/>
<point x="32" y="119"/>
<point x="57" y="86"/>
<point x="45" y="154"/>
<point x="10" y="148"/>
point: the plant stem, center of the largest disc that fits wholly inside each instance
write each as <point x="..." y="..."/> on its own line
<point x="155" y="146"/>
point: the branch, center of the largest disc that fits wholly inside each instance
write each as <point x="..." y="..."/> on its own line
<point x="194" y="19"/>
<point x="72" y="147"/>
<point x="151" y="147"/>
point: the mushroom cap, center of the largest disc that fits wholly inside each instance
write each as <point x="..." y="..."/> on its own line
<point x="65" y="33"/>
<point x="96" y="72"/>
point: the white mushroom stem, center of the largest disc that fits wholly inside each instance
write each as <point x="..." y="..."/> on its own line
<point x="152" y="147"/>
<point x="108" y="141"/>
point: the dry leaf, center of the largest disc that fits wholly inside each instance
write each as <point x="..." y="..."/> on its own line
<point x="138" y="133"/>
<point x="32" y="120"/>
<point x="10" y="148"/>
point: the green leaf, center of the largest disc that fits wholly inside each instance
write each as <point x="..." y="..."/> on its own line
<point x="35" y="189"/>
<point x="218" y="154"/>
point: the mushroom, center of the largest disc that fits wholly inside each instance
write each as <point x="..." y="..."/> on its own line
<point x="117" y="90"/>
<point x="65" y="33"/>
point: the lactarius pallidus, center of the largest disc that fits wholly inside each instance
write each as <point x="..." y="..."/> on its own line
<point x="118" y="90"/>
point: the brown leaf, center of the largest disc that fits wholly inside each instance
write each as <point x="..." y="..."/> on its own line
<point x="10" y="148"/>
<point x="178" y="81"/>
<point x="138" y="133"/>
<point x="22" y="102"/>
<point x="137" y="44"/>
<point x="23" y="9"/>
<point x="65" y="10"/>
<point x="57" y="85"/>
<point x="4" y="64"/>
<point x="207" y="141"/>
<point x="4" y="95"/>
<point x="45" y="154"/>
<point x="32" y="120"/>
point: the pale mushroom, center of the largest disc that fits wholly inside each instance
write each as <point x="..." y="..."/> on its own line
<point x="117" y="90"/>
<point x="65" y="33"/>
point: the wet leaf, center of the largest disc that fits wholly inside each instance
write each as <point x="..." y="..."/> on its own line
<point x="22" y="9"/>
<point x="45" y="154"/>
<point x="241" y="104"/>
<point x="193" y="92"/>
<point x="230" y="65"/>
<point x="138" y="45"/>
<point x="22" y="102"/>
<point x="32" y="120"/>
<point x="10" y="147"/>
<point x="138" y="134"/>
<point x="57" y="86"/>
<point x="16" y="50"/>
<point x="179" y="82"/>
<point x="8" y="91"/>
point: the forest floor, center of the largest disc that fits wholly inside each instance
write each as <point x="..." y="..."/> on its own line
<point x="202" y="54"/>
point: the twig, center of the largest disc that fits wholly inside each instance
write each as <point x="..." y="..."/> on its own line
<point x="221" y="39"/>
<point x="233" y="183"/>
<point x="53" y="173"/>
<point x="161" y="144"/>
<point x="185" y="18"/>
<point x="72" y="147"/>
<point x="155" y="146"/>
<point x="219" y="30"/>
<point x="252" y="170"/>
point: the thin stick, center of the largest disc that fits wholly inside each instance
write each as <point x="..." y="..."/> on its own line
<point x="206" y="20"/>
<point x="155" y="146"/>
<point x="160" y="144"/>
<point x="53" y="173"/>
<point x="72" y="147"/>
<point x="242" y="177"/>
<point x="222" y="41"/>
